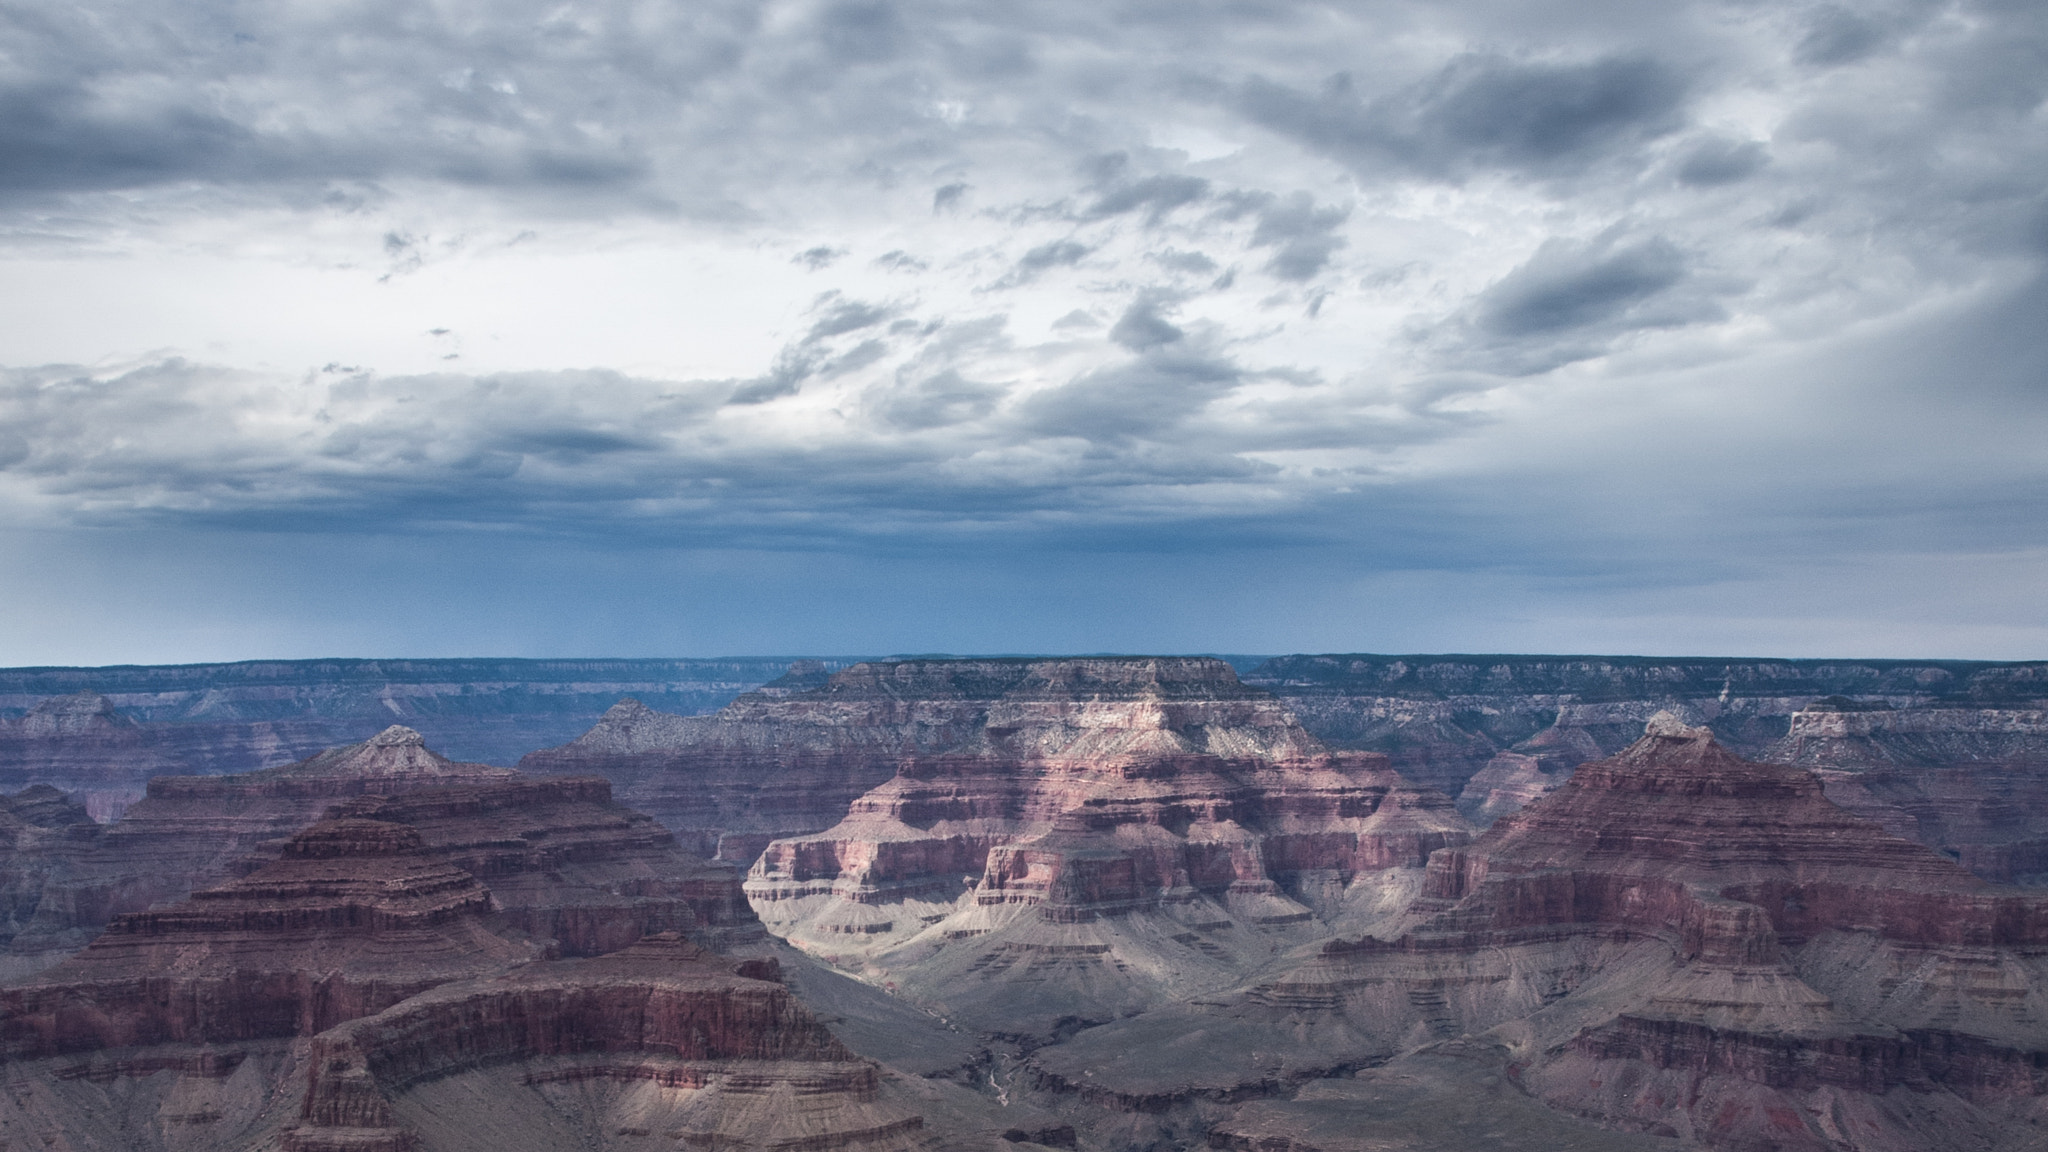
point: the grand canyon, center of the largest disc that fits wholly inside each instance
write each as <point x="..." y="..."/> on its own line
<point x="1326" y="903"/>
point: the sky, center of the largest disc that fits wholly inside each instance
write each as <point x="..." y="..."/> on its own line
<point x="693" y="328"/>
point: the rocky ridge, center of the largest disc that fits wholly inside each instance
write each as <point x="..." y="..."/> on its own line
<point x="384" y="980"/>
<point x="1077" y="840"/>
<point x="1677" y="941"/>
<point x="791" y="758"/>
<point x="189" y="830"/>
<point x="1442" y="718"/>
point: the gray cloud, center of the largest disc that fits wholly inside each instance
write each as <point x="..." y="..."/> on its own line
<point x="1156" y="195"/>
<point x="1302" y="236"/>
<point x="1483" y="111"/>
<point x="1573" y="300"/>
<point x="1141" y="326"/>
<point x="1716" y="160"/>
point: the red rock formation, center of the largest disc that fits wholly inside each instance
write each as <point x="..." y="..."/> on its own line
<point x="659" y="1040"/>
<point x="567" y="863"/>
<point x="789" y="760"/>
<point x="1111" y="832"/>
<point x="1675" y="940"/>
<point x="351" y="918"/>
<point x="189" y="831"/>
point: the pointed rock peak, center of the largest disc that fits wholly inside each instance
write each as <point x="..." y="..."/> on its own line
<point x="628" y="708"/>
<point x="397" y="736"/>
<point x="330" y="839"/>
<point x="77" y="714"/>
<point x="84" y="702"/>
<point x="1670" y="724"/>
<point x="396" y="752"/>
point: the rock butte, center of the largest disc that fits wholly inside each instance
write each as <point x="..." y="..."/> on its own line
<point x="1089" y="838"/>
<point x="351" y="918"/>
<point x="1677" y="941"/>
<point x="568" y="864"/>
<point x="189" y="830"/>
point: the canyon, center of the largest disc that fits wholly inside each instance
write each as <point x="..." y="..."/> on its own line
<point x="1307" y="903"/>
<point x="448" y="956"/>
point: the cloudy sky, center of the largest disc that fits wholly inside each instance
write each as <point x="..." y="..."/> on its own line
<point x="688" y="328"/>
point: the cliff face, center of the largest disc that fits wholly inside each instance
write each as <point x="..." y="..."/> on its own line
<point x="188" y="831"/>
<point x="658" y="1045"/>
<point x="569" y="864"/>
<point x="351" y="918"/>
<point x="1676" y="940"/>
<point x="790" y="760"/>
<point x="346" y="998"/>
<point x="1080" y="839"/>
<point x="1971" y="782"/>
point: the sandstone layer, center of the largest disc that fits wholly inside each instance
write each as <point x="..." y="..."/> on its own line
<point x="1070" y="841"/>
<point x="347" y="997"/>
<point x="1676" y="941"/>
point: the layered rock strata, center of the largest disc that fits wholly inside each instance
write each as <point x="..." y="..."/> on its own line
<point x="353" y="917"/>
<point x="1676" y="940"/>
<point x="671" y="1044"/>
<point x="190" y="830"/>
<point x="344" y="998"/>
<point x="568" y="864"/>
<point x="1442" y="718"/>
<point x="1103" y="835"/>
<point x="1971" y="782"/>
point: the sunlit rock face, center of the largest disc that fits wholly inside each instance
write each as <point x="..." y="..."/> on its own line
<point x="1675" y="941"/>
<point x="1077" y="839"/>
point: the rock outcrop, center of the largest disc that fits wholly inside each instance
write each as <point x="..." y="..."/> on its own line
<point x="348" y="997"/>
<point x="1970" y="782"/>
<point x="188" y="832"/>
<point x="1677" y="940"/>
<point x="570" y="865"/>
<point x="353" y="917"/>
<point x="670" y="1043"/>
<point x="1082" y="839"/>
